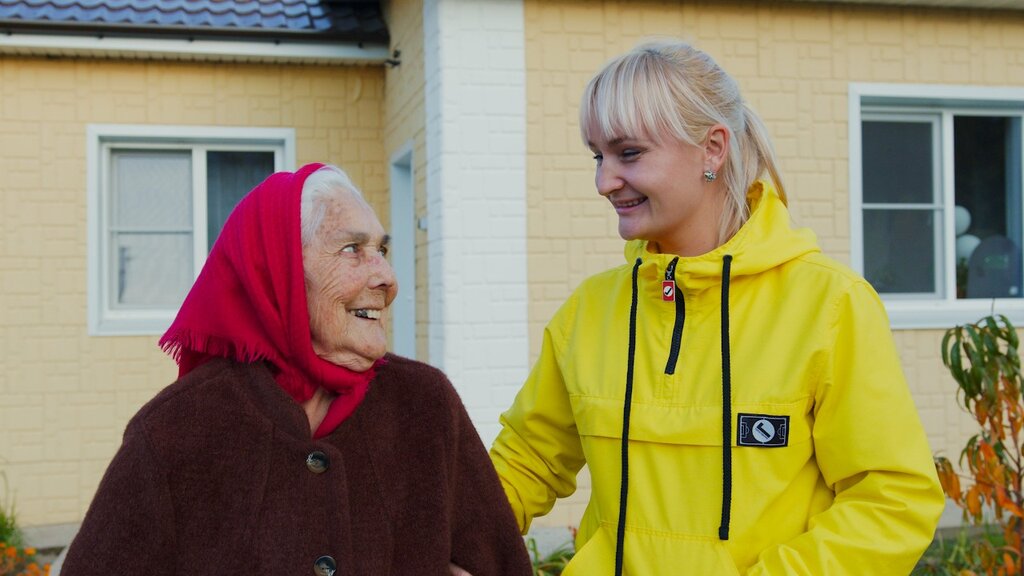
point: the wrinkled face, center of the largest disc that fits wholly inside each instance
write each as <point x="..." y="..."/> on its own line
<point x="349" y="284"/>
<point x="658" y="191"/>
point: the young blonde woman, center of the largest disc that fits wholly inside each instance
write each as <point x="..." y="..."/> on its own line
<point x="735" y="393"/>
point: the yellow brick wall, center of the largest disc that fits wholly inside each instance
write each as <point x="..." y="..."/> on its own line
<point x="794" y="63"/>
<point x="65" y="397"/>
<point x="405" y="121"/>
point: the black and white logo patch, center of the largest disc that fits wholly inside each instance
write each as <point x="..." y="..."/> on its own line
<point x="763" y="430"/>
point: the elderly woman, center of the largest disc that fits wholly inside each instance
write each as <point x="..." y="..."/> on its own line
<point x="291" y="442"/>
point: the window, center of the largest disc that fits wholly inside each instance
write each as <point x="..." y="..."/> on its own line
<point x="936" y="201"/>
<point x="158" y="197"/>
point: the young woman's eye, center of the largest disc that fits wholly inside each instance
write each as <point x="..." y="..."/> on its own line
<point x="598" y="158"/>
<point x="630" y="154"/>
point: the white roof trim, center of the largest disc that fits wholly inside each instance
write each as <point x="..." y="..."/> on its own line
<point x="185" y="49"/>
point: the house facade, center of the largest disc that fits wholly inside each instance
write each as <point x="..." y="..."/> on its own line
<point x="890" y="119"/>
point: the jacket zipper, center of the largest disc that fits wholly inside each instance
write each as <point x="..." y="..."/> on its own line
<point x="677" y="330"/>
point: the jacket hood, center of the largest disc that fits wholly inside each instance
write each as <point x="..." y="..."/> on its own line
<point x="765" y="241"/>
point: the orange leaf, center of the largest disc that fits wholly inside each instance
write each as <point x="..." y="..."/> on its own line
<point x="974" y="502"/>
<point x="954" y="486"/>
<point x="986" y="450"/>
<point x="1012" y="508"/>
<point x="948" y="479"/>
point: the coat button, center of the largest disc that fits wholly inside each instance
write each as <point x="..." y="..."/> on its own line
<point x="325" y="566"/>
<point x="318" y="463"/>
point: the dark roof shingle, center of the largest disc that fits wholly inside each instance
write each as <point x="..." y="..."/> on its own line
<point x="358" y="20"/>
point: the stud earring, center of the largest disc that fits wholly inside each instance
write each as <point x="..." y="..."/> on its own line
<point x="710" y="175"/>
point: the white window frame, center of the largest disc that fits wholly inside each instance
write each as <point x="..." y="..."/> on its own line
<point x="100" y="139"/>
<point x="943" y="310"/>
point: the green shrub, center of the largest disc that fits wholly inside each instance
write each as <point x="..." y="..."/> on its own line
<point x="983" y="360"/>
<point x="554" y="562"/>
<point x="967" y="554"/>
<point x="9" y="532"/>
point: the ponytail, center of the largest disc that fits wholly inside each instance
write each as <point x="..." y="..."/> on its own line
<point x="759" y="156"/>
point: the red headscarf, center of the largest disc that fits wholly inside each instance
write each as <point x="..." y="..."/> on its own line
<point x="249" y="302"/>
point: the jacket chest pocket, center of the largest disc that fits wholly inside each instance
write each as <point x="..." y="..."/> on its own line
<point x="666" y="423"/>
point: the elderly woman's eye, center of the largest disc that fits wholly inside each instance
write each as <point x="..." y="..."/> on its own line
<point x="383" y="250"/>
<point x="350" y="248"/>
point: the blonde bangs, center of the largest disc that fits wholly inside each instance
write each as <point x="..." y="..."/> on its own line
<point x="631" y="98"/>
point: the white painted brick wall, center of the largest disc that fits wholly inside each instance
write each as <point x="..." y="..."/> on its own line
<point x="476" y="200"/>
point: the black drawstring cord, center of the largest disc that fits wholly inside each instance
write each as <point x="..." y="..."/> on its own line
<point x="620" y="535"/>
<point x="723" y="529"/>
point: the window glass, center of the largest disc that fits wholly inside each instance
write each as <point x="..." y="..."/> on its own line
<point x="986" y="153"/>
<point x="897" y="158"/>
<point x="909" y="269"/>
<point x="229" y="176"/>
<point x="151" y="228"/>
<point x="153" y="270"/>
<point x="152" y="188"/>
<point x="901" y="210"/>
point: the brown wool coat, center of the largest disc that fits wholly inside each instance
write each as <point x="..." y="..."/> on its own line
<point x="212" y="478"/>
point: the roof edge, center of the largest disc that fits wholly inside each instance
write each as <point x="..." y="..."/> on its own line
<point x="56" y="28"/>
<point x="267" y="50"/>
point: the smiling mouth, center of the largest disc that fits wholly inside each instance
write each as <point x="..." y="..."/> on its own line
<point x="366" y="313"/>
<point x="627" y="204"/>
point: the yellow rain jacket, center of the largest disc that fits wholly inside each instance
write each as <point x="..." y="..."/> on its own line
<point x="817" y="466"/>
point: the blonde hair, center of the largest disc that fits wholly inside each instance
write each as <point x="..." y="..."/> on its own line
<point x="671" y="89"/>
